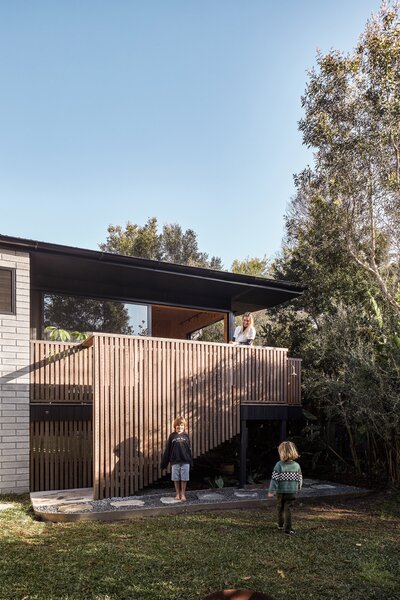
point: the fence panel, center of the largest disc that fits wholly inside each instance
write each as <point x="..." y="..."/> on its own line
<point x="204" y="382"/>
<point x="61" y="373"/>
<point x="294" y="381"/>
<point x="60" y="454"/>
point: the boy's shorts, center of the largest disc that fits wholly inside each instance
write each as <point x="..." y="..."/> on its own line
<point x="180" y="472"/>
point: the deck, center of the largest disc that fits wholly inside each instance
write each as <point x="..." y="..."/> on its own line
<point x="102" y="410"/>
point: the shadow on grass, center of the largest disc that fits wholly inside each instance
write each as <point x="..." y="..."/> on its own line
<point x="340" y="552"/>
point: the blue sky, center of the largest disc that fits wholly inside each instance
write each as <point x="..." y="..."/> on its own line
<point x="185" y="110"/>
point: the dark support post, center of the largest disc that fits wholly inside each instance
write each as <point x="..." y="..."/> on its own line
<point x="149" y="319"/>
<point x="231" y="325"/>
<point x="283" y="430"/>
<point x="243" y="452"/>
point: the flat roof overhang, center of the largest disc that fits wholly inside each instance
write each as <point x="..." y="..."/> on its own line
<point x="92" y="273"/>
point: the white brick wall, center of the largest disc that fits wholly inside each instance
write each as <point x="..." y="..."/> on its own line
<point x="14" y="381"/>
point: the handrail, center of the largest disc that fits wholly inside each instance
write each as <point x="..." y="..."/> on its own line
<point x="62" y="372"/>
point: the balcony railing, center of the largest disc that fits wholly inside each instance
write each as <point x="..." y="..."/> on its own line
<point x="62" y="373"/>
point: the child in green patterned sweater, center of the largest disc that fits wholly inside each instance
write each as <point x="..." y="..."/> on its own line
<point x="286" y="481"/>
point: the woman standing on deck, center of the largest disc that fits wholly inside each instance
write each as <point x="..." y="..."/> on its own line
<point x="245" y="334"/>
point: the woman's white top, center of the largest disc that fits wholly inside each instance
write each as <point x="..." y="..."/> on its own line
<point x="243" y="337"/>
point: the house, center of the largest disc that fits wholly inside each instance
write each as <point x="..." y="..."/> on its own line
<point x="98" y="412"/>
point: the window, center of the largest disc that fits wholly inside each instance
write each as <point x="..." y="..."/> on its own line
<point x="81" y="314"/>
<point x="7" y="291"/>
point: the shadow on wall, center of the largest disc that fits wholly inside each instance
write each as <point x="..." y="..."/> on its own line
<point x="127" y="474"/>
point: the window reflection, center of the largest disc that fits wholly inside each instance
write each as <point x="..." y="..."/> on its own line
<point x="73" y="313"/>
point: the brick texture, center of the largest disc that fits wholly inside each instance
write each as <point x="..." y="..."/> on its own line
<point x="14" y="381"/>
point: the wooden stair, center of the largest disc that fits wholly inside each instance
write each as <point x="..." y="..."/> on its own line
<point x="140" y="385"/>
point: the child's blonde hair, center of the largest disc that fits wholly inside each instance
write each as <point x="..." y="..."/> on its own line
<point x="288" y="451"/>
<point x="179" y="421"/>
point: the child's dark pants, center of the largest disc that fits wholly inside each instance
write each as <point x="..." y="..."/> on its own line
<point x="284" y="503"/>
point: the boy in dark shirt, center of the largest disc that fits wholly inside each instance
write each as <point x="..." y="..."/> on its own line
<point x="178" y="452"/>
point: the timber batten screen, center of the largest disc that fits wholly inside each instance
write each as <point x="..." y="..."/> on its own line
<point x="61" y="373"/>
<point x="137" y="386"/>
<point x="61" y="438"/>
<point x="141" y="384"/>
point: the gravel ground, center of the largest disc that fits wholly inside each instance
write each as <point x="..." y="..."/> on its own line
<point x="165" y="497"/>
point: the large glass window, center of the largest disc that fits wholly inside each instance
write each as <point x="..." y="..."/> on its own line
<point x="86" y="315"/>
<point x="138" y="318"/>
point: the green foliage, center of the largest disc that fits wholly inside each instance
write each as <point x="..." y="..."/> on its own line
<point x="135" y="240"/>
<point x="377" y="311"/>
<point x="352" y="121"/>
<point x="258" y="267"/>
<point x="217" y="482"/>
<point x="171" y="245"/>
<point x="62" y="335"/>
<point x="85" y="314"/>
<point x="343" y="231"/>
<point x="355" y="379"/>
<point x="212" y="333"/>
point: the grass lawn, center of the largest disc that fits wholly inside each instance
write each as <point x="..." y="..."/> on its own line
<point x="343" y="550"/>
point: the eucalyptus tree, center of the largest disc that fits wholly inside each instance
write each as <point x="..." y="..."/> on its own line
<point x="342" y="242"/>
<point x="352" y="122"/>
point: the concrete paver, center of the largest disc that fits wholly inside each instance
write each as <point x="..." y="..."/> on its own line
<point x="65" y="505"/>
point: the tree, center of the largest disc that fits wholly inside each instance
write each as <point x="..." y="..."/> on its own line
<point x="355" y="379"/>
<point x="352" y="121"/>
<point x="86" y="315"/>
<point x="171" y="245"/>
<point x="258" y="267"/>
<point x="342" y="242"/>
<point x="135" y="240"/>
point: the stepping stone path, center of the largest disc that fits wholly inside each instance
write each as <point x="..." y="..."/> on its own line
<point x="6" y="505"/>
<point x="309" y="482"/>
<point x="127" y="503"/>
<point x="74" y="508"/>
<point x="169" y="500"/>
<point x="244" y="494"/>
<point x="204" y="499"/>
<point x="323" y="486"/>
<point x="211" y="496"/>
